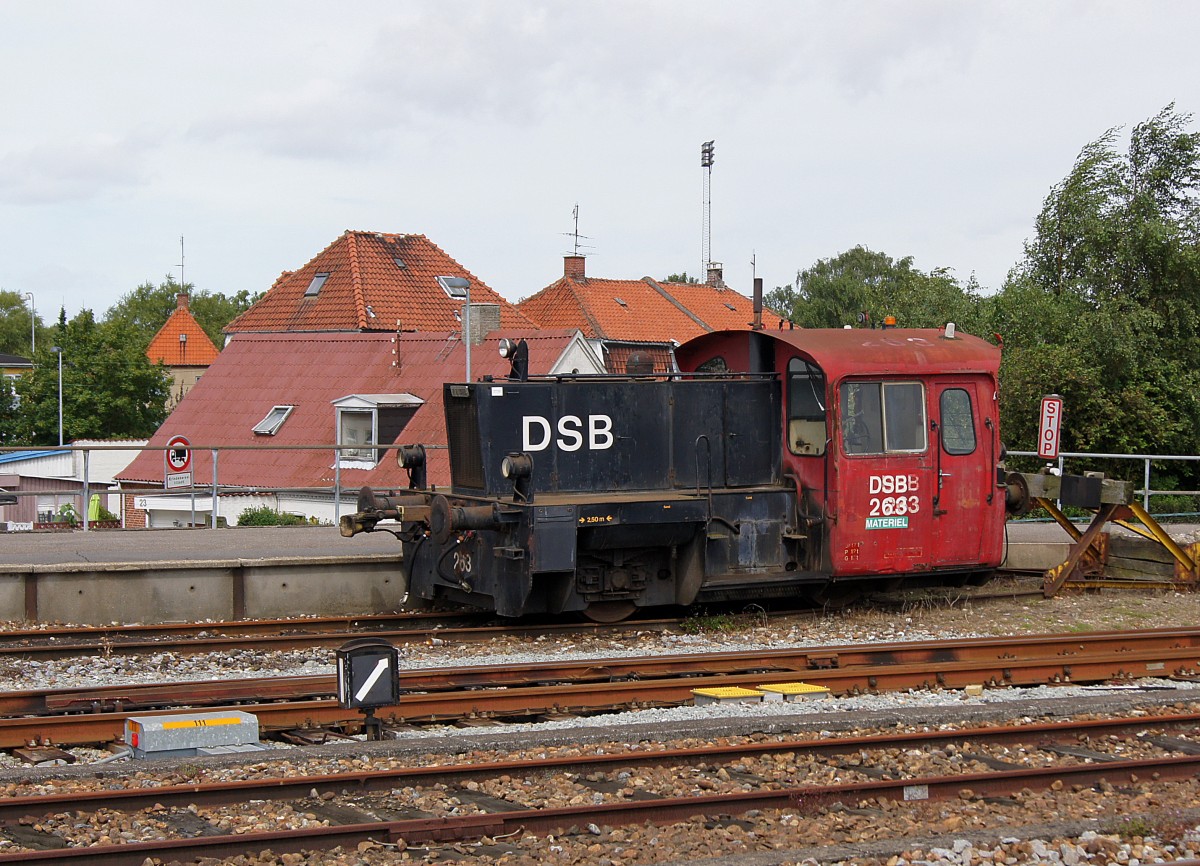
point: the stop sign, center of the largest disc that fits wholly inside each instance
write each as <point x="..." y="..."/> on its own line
<point x="1050" y="426"/>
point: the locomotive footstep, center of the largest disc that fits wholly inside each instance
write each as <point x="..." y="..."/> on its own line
<point x="609" y="611"/>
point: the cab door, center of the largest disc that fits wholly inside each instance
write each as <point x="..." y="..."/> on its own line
<point x="964" y="493"/>
<point x="885" y="479"/>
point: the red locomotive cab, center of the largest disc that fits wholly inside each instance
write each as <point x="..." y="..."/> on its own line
<point x="912" y="452"/>
<point x="891" y="438"/>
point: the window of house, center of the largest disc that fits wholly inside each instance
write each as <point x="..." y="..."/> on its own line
<point x="274" y="419"/>
<point x="315" y="286"/>
<point x="357" y="428"/>
<point x="883" y="417"/>
<point x="368" y="424"/>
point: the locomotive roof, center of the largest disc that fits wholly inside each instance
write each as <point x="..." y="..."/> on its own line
<point x="857" y="351"/>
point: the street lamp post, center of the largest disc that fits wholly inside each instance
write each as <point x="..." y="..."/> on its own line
<point x="460" y="287"/>
<point x="58" y="351"/>
<point x="32" y="325"/>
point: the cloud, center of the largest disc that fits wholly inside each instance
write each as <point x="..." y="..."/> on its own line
<point x="69" y="171"/>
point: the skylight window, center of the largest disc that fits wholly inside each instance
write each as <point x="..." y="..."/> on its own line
<point x="731" y="306"/>
<point x="458" y="288"/>
<point x="399" y="262"/>
<point x="270" y="425"/>
<point x="621" y="302"/>
<point x="315" y="286"/>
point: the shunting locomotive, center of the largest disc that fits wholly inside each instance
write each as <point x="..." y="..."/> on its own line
<point x="813" y="464"/>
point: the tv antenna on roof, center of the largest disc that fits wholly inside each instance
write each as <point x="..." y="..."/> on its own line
<point x="575" y="234"/>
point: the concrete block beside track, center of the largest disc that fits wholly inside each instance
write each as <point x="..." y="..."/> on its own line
<point x="146" y="594"/>
<point x="333" y="587"/>
<point x="1036" y="555"/>
<point x="195" y="590"/>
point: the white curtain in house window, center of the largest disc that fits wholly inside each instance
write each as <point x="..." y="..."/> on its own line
<point x="357" y="428"/>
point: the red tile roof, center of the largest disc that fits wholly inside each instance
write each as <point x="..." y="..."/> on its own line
<point x="195" y="349"/>
<point x="376" y="282"/>
<point x="256" y="372"/>
<point x="639" y="310"/>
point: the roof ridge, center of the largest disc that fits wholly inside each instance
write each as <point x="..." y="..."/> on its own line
<point x="654" y="284"/>
<point x="582" y="301"/>
<point x="360" y="310"/>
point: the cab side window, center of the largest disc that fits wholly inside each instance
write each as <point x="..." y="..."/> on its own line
<point x="958" y="422"/>
<point x="883" y="417"/>
<point x="806" y="408"/>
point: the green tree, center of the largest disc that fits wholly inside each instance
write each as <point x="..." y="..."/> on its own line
<point x="15" y="332"/>
<point x="1103" y="309"/>
<point x="147" y="308"/>
<point x="835" y="291"/>
<point x="10" y="412"/>
<point x="109" y="388"/>
<point x="681" y="278"/>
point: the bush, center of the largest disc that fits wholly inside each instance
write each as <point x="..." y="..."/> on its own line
<point x="265" y="515"/>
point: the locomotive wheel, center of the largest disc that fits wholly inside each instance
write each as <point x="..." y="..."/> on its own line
<point x="609" y="611"/>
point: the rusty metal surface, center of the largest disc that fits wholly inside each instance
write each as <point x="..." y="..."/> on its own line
<point x="593" y="685"/>
<point x="996" y="783"/>
<point x="287" y="634"/>
<point x="210" y="794"/>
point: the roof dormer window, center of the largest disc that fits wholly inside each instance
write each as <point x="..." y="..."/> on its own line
<point x="367" y="421"/>
<point x="270" y="425"/>
<point x="314" y="287"/>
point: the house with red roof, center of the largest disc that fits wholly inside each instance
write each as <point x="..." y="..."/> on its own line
<point x="294" y="396"/>
<point x="372" y="281"/>
<point x="644" y="318"/>
<point x="183" y="347"/>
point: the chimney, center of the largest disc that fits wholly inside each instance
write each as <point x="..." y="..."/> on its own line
<point x="716" y="277"/>
<point x="485" y="318"/>
<point x="757" y="323"/>
<point x="181" y="301"/>
<point x="573" y="267"/>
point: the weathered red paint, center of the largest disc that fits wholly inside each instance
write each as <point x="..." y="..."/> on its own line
<point x="923" y="507"/>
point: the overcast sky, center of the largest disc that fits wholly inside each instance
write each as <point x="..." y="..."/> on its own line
<point x="260" y="131"/>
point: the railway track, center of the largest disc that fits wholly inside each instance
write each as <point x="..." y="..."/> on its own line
<point x="520" y="692"/>
<point x="52" y="642"/>
<point x="881" y="775"/>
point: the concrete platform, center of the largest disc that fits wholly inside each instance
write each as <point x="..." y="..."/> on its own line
<point x="185" y="575"/>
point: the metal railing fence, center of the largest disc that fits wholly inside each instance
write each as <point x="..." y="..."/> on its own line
<point x="211" y="487"/>
<point x="1146" y="491"/>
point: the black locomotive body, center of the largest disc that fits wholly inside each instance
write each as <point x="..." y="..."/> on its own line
<point x="599" y="495"/>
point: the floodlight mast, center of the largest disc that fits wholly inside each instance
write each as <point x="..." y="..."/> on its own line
<point x="707" y="151"/>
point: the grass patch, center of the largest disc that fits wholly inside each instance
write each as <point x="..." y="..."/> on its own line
<point x="721" y="623"/>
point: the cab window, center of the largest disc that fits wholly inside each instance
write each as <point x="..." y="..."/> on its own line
<point x="883" y="417"/>
<point x="958" y="422"/>
<point x="806" y="407"/>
